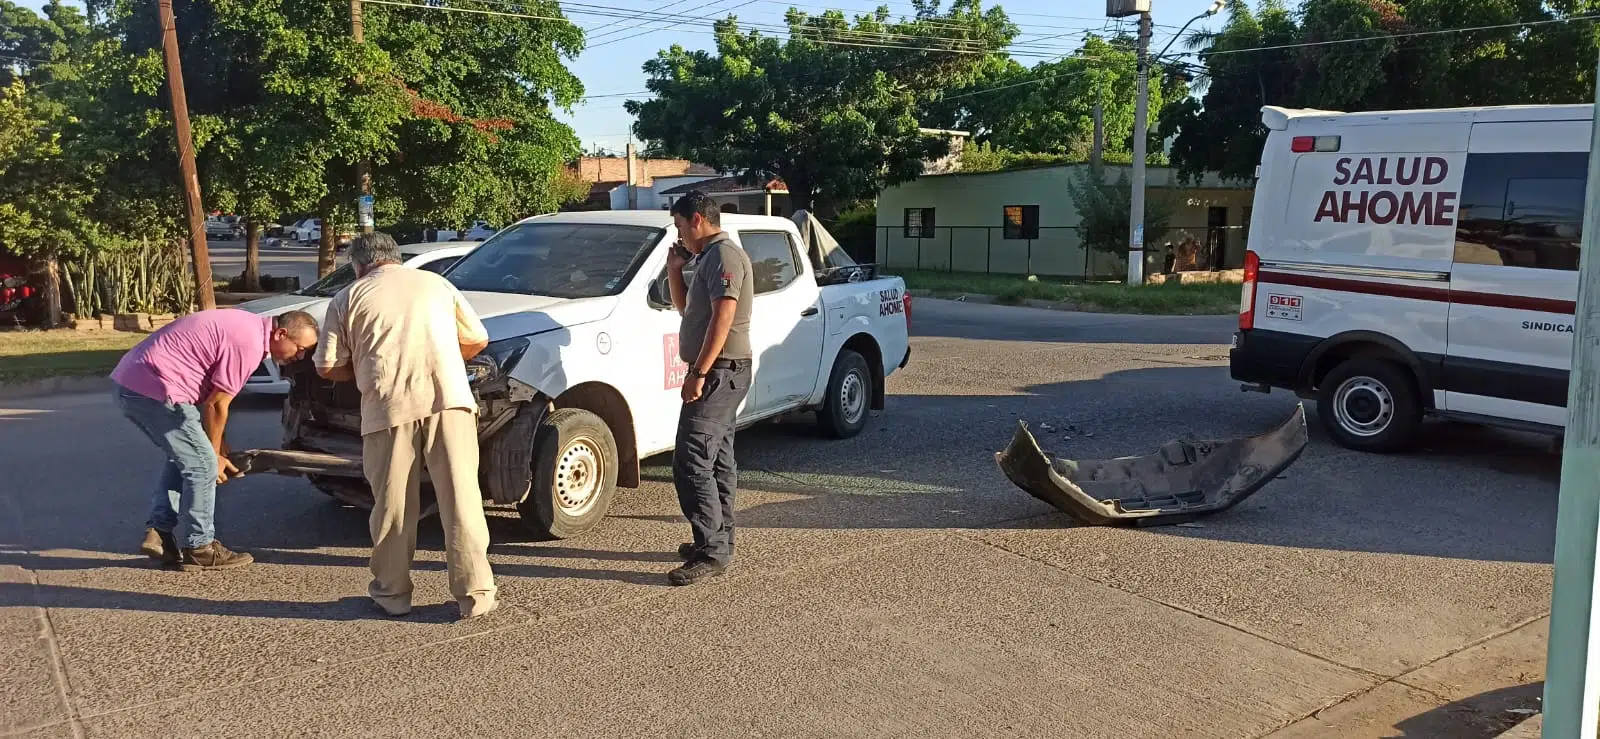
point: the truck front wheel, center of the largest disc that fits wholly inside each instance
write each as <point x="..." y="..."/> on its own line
<point x="574" y="475"/>
<point x="844" y="409"/>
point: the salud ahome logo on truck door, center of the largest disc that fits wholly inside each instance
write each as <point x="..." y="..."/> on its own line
<point x="674" y="369"/>
<point x="1398" y="190"/>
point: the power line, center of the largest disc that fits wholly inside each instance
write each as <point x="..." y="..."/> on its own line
<point x="653" y="30"/>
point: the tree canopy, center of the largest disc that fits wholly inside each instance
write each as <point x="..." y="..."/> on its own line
<point x="831" y="109"/>
<point x="1373" y="55"/>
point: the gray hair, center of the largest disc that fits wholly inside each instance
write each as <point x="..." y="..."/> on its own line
<point x="294" y="321"/>
<point x="373" y="249"/>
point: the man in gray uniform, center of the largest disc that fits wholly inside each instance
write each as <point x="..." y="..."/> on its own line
<point x="714" y="339"/>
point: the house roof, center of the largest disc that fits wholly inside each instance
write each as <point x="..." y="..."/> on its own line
<point x="728" y="186"/>
<point x="601" y="188"/>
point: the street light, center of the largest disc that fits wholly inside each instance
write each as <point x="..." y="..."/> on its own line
<point x="1116" y="8"/>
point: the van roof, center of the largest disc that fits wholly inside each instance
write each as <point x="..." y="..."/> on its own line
<point x="1278" y="118"/>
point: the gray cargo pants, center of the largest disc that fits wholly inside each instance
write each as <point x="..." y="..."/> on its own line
<point x="703" y="468"/>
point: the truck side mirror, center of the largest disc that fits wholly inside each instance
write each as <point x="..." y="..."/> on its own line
<point x="658" y="292"/>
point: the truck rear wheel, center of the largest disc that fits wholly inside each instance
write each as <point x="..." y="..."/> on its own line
<point x="1370" y="405"/>
<point x="574" y="475"/>
<point x="844" y="408"/>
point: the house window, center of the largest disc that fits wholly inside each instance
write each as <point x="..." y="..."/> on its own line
<point x="919" y="223"/>
<point x="1021" y="222"/>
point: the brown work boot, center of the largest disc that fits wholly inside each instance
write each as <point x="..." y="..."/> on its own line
<point x="160" y="546"/>
<point x="214" y="556"/>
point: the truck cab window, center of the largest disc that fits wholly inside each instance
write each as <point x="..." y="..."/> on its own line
<point x="1522" y="210"/>
<point x="773" y="263"/>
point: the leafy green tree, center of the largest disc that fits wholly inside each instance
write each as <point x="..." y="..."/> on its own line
<point x="1104" y="206"/>
<point x="832" y="109"/>
<point x="1356" y="55"/>
<point x="42" y="197"/>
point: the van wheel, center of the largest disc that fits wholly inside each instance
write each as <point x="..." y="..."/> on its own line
<point x="574" y="475"/>
<point x="1370" y="405"/>
<point x="844" y="408"/>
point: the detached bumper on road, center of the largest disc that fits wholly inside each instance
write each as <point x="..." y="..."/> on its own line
<point x="289" y="462"/>
<point x="1179" y="482"/>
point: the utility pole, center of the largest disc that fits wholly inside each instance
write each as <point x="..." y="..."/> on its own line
<point x="633" y="178"/>
<point x="186" y="168"/>
<point x="364" y="216"/>
<point x="1572" y="665"/>
<point x="1141" y="114"/>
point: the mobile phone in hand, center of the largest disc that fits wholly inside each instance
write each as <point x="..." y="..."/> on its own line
<point x="682" y="251"/>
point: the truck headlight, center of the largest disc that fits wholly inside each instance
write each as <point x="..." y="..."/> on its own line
<point x="496" y="360"/>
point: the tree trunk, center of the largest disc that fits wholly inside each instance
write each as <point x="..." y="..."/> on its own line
<point x="252" y="256"/>
<point x="47" y="271"/>
<point x="330" y="240"/>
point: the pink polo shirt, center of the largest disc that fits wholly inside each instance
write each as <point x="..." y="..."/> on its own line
<point x="184" y="361"/>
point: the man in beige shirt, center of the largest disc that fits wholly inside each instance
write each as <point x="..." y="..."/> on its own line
<point x="403" y="336"/>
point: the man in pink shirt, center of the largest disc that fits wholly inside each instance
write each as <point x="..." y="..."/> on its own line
<point x="176" y="386"/>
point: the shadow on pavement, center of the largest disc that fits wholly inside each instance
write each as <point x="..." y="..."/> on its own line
<point x="1481" y="716"/>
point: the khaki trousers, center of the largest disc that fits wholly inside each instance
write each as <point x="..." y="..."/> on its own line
<point x="392" y="459"/>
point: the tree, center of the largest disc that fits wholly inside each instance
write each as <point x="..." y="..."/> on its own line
<point x="832" y="109"/>
<point x="1104" y="207"/>
<point x="479" y="140"/>
<point x="42" y="199"/>
<point x="1050" y="107"/>
<point x="1356" y="55"/>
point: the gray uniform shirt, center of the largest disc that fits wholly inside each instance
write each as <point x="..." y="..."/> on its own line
<point x="721" y="271"/>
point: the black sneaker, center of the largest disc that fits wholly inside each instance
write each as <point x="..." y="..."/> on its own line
<point x="695" y="571"/>
<point x="160" y="546"/>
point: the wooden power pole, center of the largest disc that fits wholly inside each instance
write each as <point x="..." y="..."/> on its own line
<point x="191" y="179"/>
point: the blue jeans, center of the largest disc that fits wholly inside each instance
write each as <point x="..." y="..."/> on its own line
<point x="185" y="497"/>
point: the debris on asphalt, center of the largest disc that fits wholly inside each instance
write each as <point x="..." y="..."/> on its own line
<point x="1174" y="484"/>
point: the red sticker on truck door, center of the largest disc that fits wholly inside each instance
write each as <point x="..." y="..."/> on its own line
<point x="674" y="369"/>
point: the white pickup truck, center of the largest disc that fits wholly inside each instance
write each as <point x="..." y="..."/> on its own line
<point x="581" y="379"/>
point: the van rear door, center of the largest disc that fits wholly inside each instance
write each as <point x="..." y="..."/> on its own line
<point x="1514" y="279"/>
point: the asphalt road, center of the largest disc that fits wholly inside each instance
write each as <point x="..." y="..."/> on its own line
<point x="290" y="260"/>
<point x="894" y="584"/>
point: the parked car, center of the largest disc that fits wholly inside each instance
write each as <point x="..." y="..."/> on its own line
<point x="224" y="227"/>
<point x="1416" y="263"/>
<point x="268" y="378"/>
<point x="309" y="231"/>
<point x="582" y="377"/>
<point x="478" y="231"/>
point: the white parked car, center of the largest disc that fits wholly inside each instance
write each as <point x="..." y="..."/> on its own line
<point x="1416" y="263"/>
<point x="224" y="227"/>
<point x="309" y="231"/>
<point x="478" y="231"/>
<point x="313" y="299"/>
<point x="582" y="377"/>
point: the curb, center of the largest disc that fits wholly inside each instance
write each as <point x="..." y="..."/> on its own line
<point x="1527" y="729"/>
<point x="54" y="386"/>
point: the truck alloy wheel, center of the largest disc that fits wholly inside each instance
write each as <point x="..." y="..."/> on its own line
<point x="574" y="475"/>
<point x="844" y="408"/>
<point x="1369" y="404"/>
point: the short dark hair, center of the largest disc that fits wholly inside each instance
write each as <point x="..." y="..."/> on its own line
<point x="694" y="202"/>
<point x="295" y="320"/>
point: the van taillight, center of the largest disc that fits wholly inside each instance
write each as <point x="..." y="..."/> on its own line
<point x="1247" y="295"/>
<point x="906" y="297"/>
<point x="1304" y="144"/>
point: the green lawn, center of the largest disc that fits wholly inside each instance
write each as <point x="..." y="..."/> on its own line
<point x="1171" y="299"/>
<point x="34" y="355"/>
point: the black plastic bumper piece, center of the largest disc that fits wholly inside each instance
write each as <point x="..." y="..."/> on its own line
<point x="1179" y="482"/>
<point x="1271" y="358"/>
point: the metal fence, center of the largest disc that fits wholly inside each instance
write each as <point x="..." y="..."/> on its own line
<point x="1057" y="251"/>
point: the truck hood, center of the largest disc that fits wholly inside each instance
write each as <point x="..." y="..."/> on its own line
<point x="507" y="315"/>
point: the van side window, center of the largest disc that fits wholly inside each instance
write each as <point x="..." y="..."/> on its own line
<point x="773" y="263"/>
<point x="1522" y="210"/>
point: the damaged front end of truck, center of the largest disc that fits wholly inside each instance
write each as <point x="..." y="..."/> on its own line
<point x="322" y="430"/>
<point x="1180" y="481"/>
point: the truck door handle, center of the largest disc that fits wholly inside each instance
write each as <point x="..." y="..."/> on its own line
<point x="811" y="311"/>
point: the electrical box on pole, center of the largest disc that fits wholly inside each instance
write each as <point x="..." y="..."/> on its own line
<point x="1126" y="8"/>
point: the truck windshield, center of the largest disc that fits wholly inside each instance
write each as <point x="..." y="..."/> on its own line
<point x="558" y="260"/>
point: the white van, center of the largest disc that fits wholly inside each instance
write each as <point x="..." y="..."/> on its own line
<point x="1415" y="263"/>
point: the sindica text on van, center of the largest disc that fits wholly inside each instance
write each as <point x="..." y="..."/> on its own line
<point x="1412" y="263"/>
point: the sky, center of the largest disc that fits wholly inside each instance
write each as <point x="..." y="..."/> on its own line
<point x="611" y="66"/>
